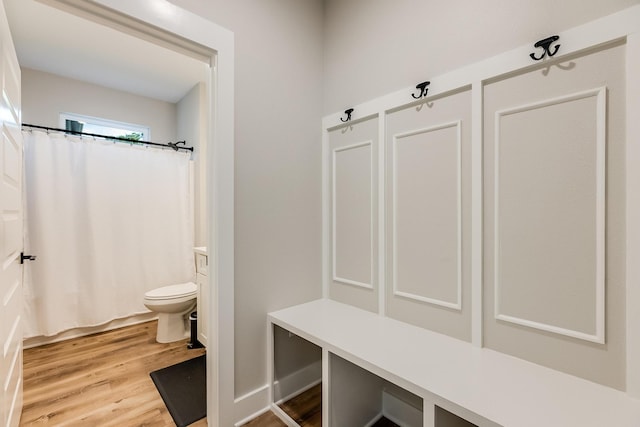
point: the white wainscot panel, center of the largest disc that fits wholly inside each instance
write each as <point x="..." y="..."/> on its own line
<point x="427" y="215"/>
<point x="352" y="215"/>
<point x="550" y="215"/>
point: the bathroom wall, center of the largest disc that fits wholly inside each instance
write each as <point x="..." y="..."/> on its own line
<point x="45" y="96"/>
<point x="278" y="211"/>
<point x="374" y="47"/>
<point x="191" y="127"/>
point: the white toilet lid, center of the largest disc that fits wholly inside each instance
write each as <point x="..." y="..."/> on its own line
<point x="172" y="291"/>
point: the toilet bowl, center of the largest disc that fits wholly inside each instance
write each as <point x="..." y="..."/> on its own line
<point x="172" y="303"/>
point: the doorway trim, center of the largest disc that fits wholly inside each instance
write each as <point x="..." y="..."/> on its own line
<point x="168" y="25"/>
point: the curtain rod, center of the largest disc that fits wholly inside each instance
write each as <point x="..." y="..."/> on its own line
<point x="173" y="145"/>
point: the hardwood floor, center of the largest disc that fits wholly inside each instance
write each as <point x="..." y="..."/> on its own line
<point x="100" y="380"/>
<point x="306" y="408"/>
<point x="268" y="419"/>
<point x="103" y="380"/>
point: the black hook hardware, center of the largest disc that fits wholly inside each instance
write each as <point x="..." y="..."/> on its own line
<point x="545" y="44"/>
<point x="174" y="145"/>
<point x="24" y="257"/>
<point x="348" y="113"/>
<point x="423" y="90"/>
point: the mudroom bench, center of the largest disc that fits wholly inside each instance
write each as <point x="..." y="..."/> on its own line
<point x="373" y="366"/>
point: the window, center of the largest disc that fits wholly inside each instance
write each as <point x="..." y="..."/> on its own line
<point x="96" y="125"/>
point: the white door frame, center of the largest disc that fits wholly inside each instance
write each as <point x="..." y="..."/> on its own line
<point x="164" y="23"/>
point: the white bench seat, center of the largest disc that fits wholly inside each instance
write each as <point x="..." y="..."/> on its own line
<point x="495" y="388"/>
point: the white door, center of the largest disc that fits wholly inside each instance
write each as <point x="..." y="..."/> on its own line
<point x="10" y="231"/>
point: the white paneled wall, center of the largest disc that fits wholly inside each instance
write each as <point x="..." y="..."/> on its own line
<point x="428" y="214"/>
<point x="353" y="175"/>
<point x="555" y="227"/>
<point x="494" y="209"/>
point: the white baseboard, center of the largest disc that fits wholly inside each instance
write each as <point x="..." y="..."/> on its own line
<point x="81" y="332"/>
<point x="284" y="417"/>
<point x="251" y="405"/>
<point x="374" y="420"/>
<point x="297" y="382"/>
<point x="256" y="402"/>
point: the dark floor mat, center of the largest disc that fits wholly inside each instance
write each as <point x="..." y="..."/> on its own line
<point x="183" y="388"/>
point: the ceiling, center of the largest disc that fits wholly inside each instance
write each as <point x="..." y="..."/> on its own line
<point x="57" y="42"/>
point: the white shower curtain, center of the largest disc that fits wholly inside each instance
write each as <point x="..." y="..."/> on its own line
<point x="107" y="222"/>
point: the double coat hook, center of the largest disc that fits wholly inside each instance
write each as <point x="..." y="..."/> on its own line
<point x="348" y="113"/>
<point x="545" y="44"/>
<point x="423" y="90"/>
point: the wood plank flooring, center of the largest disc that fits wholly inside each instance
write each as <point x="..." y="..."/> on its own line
<point x="103" y="380"/>
<point x="306" y="408"/>
<point x="268" y="419"/>
<point x="100" y="380"/>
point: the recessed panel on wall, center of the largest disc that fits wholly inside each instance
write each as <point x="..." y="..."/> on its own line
<point x="352" y="222"/>
<point x="427" y="214"/>
<point x="352" y="169"/>
<point x="549" y="214"/>
<point x="554" y="216"/>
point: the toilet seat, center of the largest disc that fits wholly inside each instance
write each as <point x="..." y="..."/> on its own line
<point x="180" y="290"/>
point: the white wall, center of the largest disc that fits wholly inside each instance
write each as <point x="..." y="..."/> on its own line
<point x="374" y="47"/>
<point x="45" y="96"/>
<point x="296" y="60"/>
<point x="191" y="127"/>
<point x="278" y="97"/>
<point x="362" y="64"/>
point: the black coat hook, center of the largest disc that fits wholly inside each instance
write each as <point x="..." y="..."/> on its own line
<point x="348" y="113"/>
<point x="423" y="90"/>
<point x="545" y="44"/>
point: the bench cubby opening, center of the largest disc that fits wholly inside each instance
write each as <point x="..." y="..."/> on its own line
<point x="444" y="418"/>
<point x="358" y="397"/>
<point x="297" y="375"/>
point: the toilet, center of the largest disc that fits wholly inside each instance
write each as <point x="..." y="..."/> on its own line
<point x="172" y="303"/>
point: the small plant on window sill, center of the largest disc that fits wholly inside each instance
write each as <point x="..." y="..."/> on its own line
<point x="134" y="136"/>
